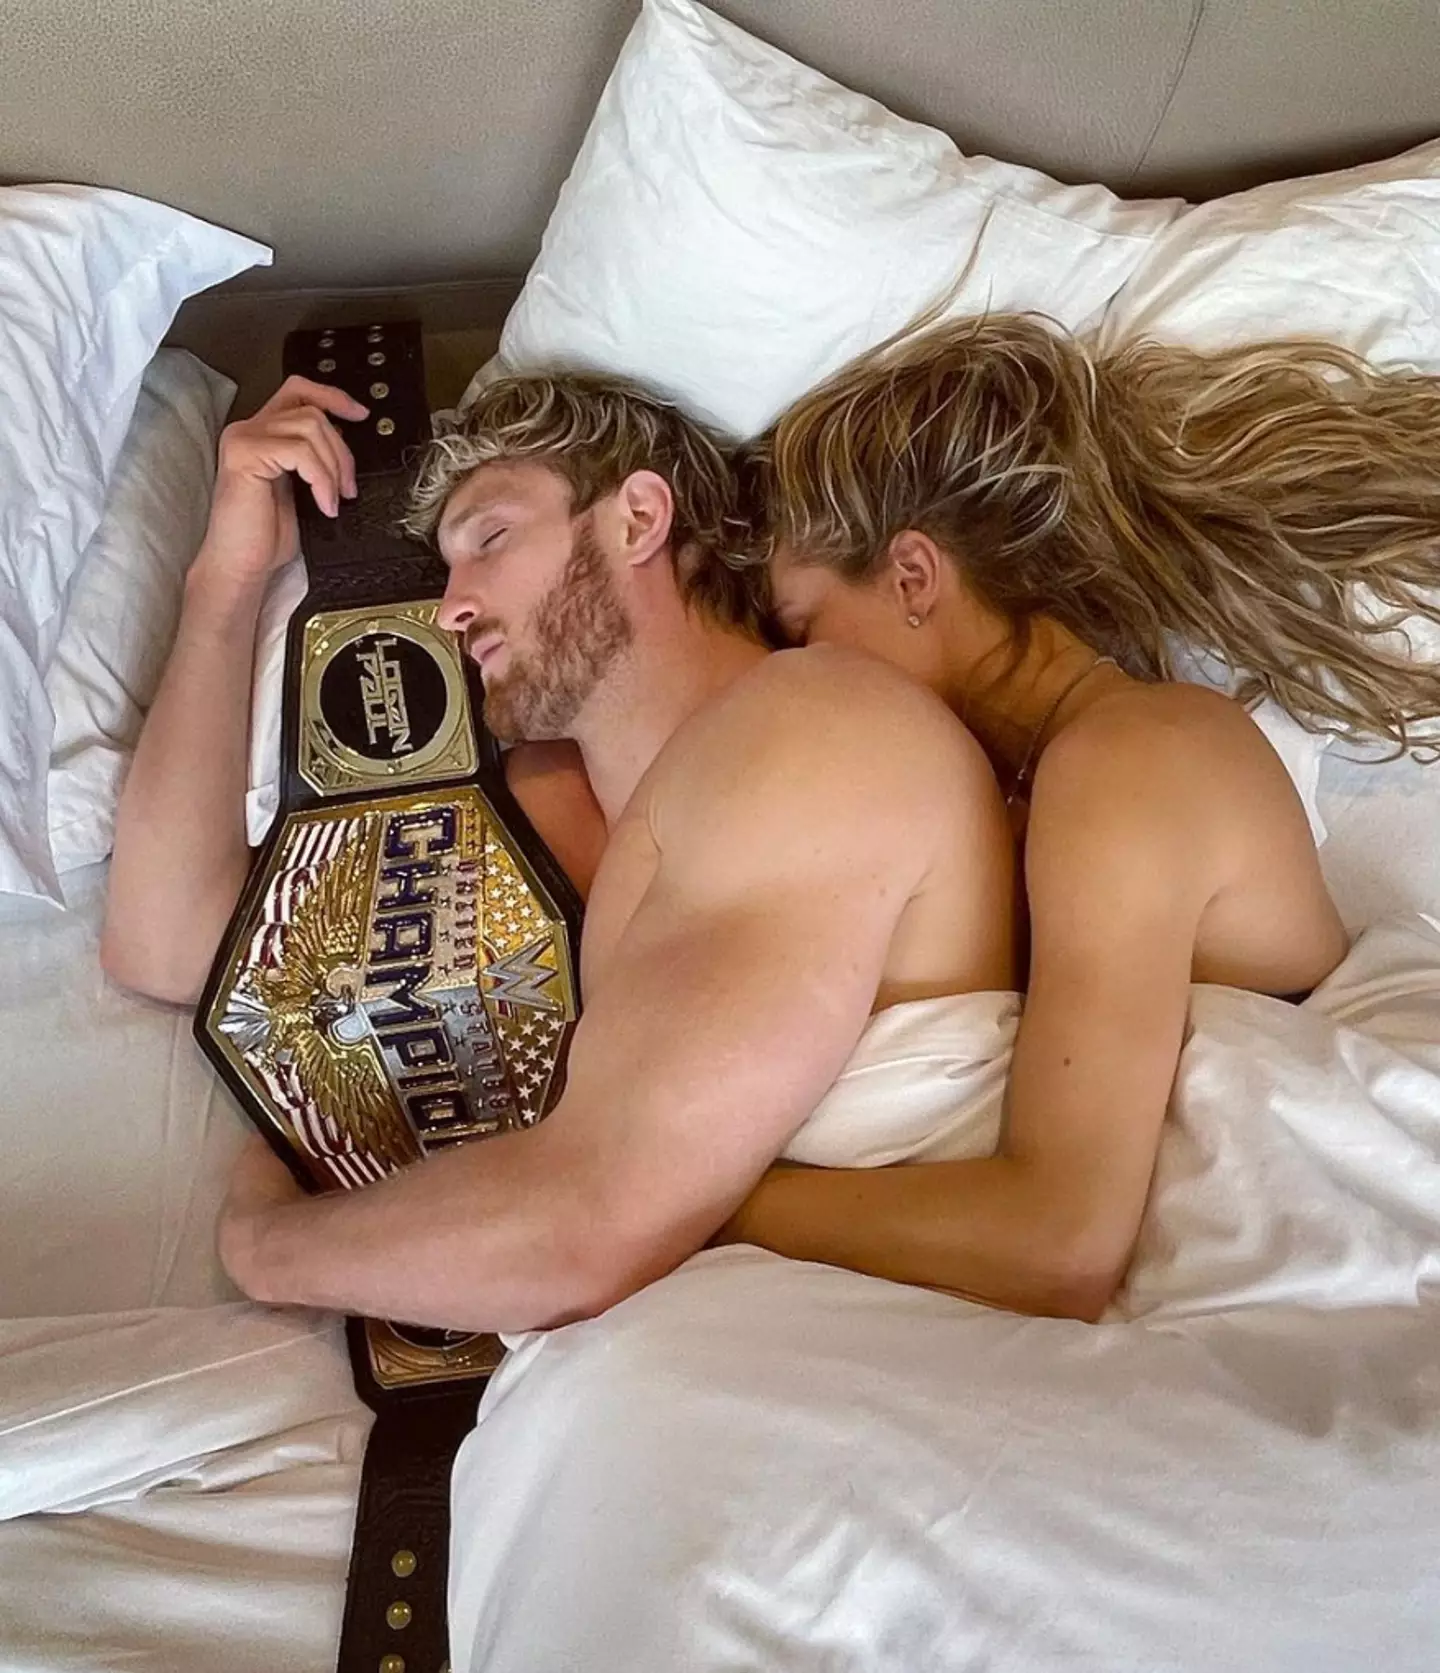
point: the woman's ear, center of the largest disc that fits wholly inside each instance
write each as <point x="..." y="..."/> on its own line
<point x="646" y="511"/>
<point x="916" y="565"/>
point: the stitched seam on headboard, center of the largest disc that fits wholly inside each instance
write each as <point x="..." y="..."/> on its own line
<point x="1197" y="11"/>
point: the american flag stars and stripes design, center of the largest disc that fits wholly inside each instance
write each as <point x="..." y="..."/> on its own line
<point x="500" y="971"/>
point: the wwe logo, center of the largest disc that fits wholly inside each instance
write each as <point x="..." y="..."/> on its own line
<point x="520" y="980"/>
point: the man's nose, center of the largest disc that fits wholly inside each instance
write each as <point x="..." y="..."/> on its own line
<point x="457" y="608"/>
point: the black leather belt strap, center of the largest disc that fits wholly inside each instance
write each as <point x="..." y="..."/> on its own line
<point x="399" y="974"/>
<point x="395" y="1619"/>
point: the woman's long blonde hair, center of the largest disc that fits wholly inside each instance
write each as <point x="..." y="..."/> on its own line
<point x="1277" y="505"/>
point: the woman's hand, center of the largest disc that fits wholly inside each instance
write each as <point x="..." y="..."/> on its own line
<point x="252" y="529"/>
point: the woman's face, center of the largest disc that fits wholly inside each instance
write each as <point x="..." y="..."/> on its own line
<point x="814" y="606"/>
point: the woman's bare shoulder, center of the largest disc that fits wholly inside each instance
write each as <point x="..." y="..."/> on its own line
<point x="1181" y="762"/>
<point x="1171" y="728"/>
<point x="1172" y="791"/>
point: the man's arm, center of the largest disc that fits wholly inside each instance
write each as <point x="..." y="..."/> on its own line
<point x="180" y="845"/>
<point x="732" y="1001"/>
<point x="1117" y="884"/>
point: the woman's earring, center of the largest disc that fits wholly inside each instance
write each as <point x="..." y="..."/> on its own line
<point x="914" y="620"/>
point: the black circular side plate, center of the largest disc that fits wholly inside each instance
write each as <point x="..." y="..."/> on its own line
<point x="343" y="701"/>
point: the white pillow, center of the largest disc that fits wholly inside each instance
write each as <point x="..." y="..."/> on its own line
<point x="125" y="600"/>
<point x="1351" y="257"/>
<point x="89" y="283"/>
<point x="736" y="226"/>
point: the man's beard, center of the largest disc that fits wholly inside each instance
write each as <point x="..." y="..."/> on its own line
<point x="578" y="631"/>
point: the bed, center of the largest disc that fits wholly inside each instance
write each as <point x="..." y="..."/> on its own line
<point x="178" y="1470"/>
<point x="806" y="1469"/>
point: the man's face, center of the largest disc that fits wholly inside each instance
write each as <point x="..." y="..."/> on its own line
<point x="532" y="596"/>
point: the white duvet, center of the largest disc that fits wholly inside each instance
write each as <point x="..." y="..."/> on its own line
<point x="759" y="1464"/>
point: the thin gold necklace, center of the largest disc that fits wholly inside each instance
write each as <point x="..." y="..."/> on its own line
<point x="1046" y="718"/>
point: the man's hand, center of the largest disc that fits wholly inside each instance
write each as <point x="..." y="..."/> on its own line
<point x="259" y="1183"/>
<point x="252" y="528"/>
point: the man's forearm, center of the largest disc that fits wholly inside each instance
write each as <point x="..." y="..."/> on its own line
<point x="180" y="844"/>
<point x="499" y="1235"/>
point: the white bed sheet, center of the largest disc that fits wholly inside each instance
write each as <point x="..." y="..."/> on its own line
<point x="234" y="1558"/>
<point x="178" y="1469"/>
<point x="177" y="1488"/>
<point x="773" y="1466"/>
<point x="117" y="1137"/>
<point x="1383" y="851"/>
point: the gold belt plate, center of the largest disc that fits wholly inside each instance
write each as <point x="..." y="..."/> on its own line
<point x="401" y="983"/>
<point x="383" y="701"/>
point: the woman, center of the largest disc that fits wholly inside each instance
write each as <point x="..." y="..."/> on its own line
<point x="1030" y="529"/>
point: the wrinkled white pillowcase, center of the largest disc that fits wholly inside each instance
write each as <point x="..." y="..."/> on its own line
<point x="1351" y="257"/>
<point x="125" y="600"/>
<point x="736" y="226"/>
<point x="89" y="283"/>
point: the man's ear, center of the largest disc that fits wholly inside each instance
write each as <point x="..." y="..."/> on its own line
<point x="646" y="511"/>
<point x="915" y="567"/>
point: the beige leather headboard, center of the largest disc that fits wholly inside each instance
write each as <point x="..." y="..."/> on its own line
<point x="383" y="142"/>
<point x="396" y="142"/>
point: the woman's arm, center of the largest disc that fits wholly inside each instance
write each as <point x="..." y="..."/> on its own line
<point x="1118" y="879"/>
<point x="548" y="781"/>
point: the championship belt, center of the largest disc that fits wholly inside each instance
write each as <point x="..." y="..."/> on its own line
<point x="399" y="974"/>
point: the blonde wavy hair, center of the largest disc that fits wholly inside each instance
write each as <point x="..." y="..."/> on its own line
<point x="594" y="432"/>
<point x="1277" y="505"/>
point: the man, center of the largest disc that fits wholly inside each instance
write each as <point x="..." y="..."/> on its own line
<point x="791" y="841"/>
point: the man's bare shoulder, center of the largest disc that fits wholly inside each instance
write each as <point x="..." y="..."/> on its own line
<point x="831" y="674"/>
<point x="822" y="733"/>
<point x="831" y="696"/>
